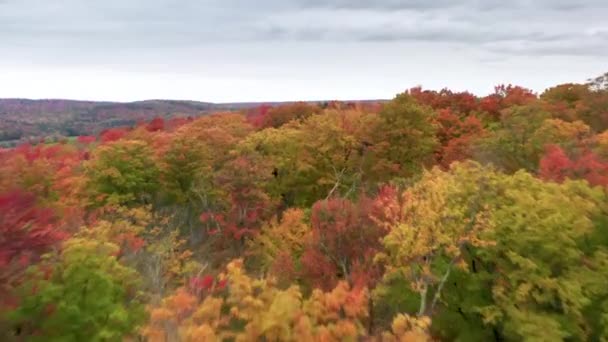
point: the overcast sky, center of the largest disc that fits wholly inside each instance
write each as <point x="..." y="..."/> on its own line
<point x="257" y="50"/>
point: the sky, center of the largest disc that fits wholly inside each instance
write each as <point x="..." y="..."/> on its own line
<point x="285" y="50"/>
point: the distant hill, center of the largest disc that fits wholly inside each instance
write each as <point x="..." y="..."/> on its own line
<point x="24" y="119"/>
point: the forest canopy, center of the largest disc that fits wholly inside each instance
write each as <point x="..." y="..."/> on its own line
<point x="437" y="215"/>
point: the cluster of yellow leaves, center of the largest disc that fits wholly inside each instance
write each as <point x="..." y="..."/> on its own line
<point x="279" y="240"/>
<point x="601" y="144"/>
<point x="441" y="216"/>
<point x="255" y="309"/>
<point x="406" y="328"/>
<point x="120" y="225"/>
<point x="565" y="134"/>
<point x="168" y="257"/>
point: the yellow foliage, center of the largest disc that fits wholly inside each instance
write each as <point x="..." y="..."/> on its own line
<point x="281" y="243"/>
<point x="255" y="309"/>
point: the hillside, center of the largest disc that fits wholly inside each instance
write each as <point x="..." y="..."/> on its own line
<point x="22" y="118"/>
<point x="25" y="119"/>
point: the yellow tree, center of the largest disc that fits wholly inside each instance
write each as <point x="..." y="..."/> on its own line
<point x="280" y="244"/>
<point x="443" y="214"/>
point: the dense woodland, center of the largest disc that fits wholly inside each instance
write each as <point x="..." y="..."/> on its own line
<point x="29" y="121"/>
<point x="438" y="215"/>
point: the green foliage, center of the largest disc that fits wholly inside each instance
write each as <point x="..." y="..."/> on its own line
<point x="408" y="131"/>
<point x="123" y="172"/>
<point x="510" y="145"/>
<point x="186" y="164"/>
<point x="81" y="294"/>
<point x="528" y="252"/>
<point x="542" y="276"/>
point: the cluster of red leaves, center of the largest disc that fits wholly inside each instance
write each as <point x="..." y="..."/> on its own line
<point x="557" y="166"/>
<point x="343" y="242"/>
<point x="26" y="230"/>
<point x="157" y="124"/>
<point x="456" y="136"/>
<point x="267" y="116"/>
<point x="257" y="116"/>
<point x="113" y="134"/>
<point x="207" y="283"/>
<point x="505" y="96"/>
<point x="460" y="102"/>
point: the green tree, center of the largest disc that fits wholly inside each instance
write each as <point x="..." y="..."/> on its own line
<point x="81" y="294"/>
<point x="510" y="144"/>
<point x="409" y="131"/>
<point x="123" y="172"/>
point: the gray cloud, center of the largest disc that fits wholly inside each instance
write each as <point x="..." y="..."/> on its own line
<point x="300" y="38"/>
<point x="153" y="22"/>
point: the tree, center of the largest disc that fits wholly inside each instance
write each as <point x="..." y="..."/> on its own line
<point x="280" y="244"/>
<point x="409" y="132"/>
<point x="340" y="154"/>
<point x="186" y="168"/>
<point x="122" y="172"/>
<point x="342" y="244"/>
<point x="81" y="293"/>
<point x="568" y="135"/>
<point x="280" y="152"/>
<point x="26" y="232"/>
<point x="113" y="134"/>
<point x="463" y="103"/>
<point x="278" y="116"/>
<point x="557" y="166"/>
<point x="509" y="146"/>
<point x="444" y="215"/>
<point x="457" y="137"/>
<point x="540" y="274"/>
<point x="505" y="96"/>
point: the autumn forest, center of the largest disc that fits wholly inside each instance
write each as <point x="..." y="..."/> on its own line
<point x="435" y="216"/>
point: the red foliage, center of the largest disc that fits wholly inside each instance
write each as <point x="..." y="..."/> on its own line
<point x="26" y="231"/>
<point x="86" y="139"/>
<point x="284" y="267"/>
<point x="343" y="235"/>
<point x="157" y="124"/>
<point x="248" y="205"/>
<point x="505" y="96"/>
<point x="202" y="283"/>
<point x="267" y="116"/>
<point x="175" y="123"/>
<point x="257" y="116"/>
<point x="463" y="102"/>
<point x="206" y="284"/>
<point x="456" y="136"/>
<point x="557" y="166"/>
<point x="113" y="134"/>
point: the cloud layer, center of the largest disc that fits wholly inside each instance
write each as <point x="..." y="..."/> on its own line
<point x="137" y="33"/>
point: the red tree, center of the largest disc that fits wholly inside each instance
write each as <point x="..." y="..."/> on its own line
<point x="557" y="166"/>
<point x="157" y="124"/>
<point x="344" y="240"/>
<point x="456" y="136"/>
<point x="26" y="230"/>
<point x="113" y="134"/>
